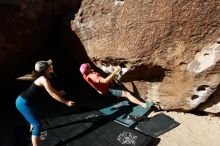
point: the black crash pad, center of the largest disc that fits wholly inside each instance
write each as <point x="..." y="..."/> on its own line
<point x="157" y="125"/>
<point x="113" y="134"/>
<point x="55" y="130"/>
<point x="90" y="129"/>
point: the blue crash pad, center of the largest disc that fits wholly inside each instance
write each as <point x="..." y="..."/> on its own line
<point x="120" y="111"/>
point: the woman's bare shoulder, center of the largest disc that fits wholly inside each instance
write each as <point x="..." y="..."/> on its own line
<point x="40" y="81"/>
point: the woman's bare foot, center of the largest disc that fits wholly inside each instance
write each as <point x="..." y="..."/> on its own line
<point x="148" y="104"/>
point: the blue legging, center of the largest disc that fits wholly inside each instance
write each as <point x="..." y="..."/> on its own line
<point x="27" y="111"/>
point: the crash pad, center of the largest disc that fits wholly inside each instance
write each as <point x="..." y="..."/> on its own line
<point x="157" y="125"/>
<point x="121" y="110"/>
<point x="90" y="129"/>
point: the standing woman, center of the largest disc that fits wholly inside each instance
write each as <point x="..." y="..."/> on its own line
<point x="41" y="76"/>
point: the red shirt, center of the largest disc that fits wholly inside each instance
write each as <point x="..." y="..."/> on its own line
<point x="93" y="79"/>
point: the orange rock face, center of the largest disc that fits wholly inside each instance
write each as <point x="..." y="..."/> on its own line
<point x="169" y="46"/>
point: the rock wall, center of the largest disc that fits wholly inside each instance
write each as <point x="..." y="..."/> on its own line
<point x="169" y="46"/>
<point x="26" y="30"/>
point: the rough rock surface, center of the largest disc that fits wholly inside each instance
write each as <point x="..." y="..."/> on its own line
<point x="26" y="28"/>
<point x="169" y="46"/>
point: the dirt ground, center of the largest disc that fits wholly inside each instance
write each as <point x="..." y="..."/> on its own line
<point x="194" y="130"/>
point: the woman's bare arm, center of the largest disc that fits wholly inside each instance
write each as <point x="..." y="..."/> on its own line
<point x="47" y="85"/>
<point x="111" y="76"/>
